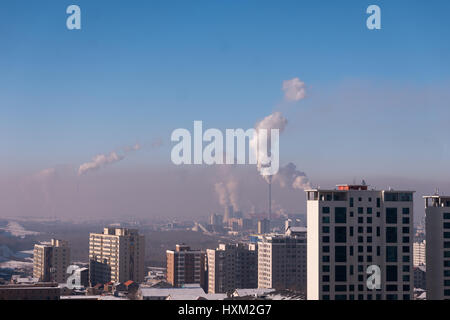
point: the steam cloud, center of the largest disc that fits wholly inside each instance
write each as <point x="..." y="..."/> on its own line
<point x="289" y="176"/>
<point x="294" y="89"/>
<point x="102" y="160"/>
<point x="228" y="193"/>
<point x="274" y="121"/>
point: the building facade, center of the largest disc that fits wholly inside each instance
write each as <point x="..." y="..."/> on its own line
<point x="437" y="211"/>
<point x="186" y="266"/>
<point x="51" y="261"/>
<point x="282" y="261"/>
<point x="263" y="226"/>
<point x="350" y="229"/>
<point x="232" y="266"/>
<point x="37" y="291"/>
<point x="419" y="249"/>
<point x="117" y="254"/>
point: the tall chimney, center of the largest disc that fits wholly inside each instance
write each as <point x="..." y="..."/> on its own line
<point x="270" y="198"/>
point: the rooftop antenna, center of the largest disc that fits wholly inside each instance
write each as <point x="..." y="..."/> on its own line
<point x="363" y="182"/>
<point x="436" y="192"/>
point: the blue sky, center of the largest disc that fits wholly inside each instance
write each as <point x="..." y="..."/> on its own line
<point x="139" y="69"/>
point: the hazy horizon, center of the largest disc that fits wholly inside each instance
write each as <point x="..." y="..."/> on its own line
<point x="86" y="115"/>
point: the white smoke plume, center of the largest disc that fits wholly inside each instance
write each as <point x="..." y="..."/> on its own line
<point x="102" y="160"/>
<point x="275" y="120"/>
<point x="294" y="89"/>
<point x="289" y="177"/>
<point x="228" y="193"/>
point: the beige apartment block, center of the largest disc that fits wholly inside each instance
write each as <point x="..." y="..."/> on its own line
<point x="282" y="260"/>
<point x="51" y="260"/>
<point x="117" y="254"/>
<point x="232" y="266"/>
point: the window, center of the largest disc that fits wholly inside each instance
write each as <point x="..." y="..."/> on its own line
<point x="391" y="254"/>
<point x="340" y="234"/>
<point x="391" y="273"/>
<point x="340" y="215"/>
<point x="405" y="210"/>
<point x="326" y="278"/>
<point x="340" y="254"/>
<point x="405" y="220"/>
<point x="326" y="239"/>
<point x="391" y="215"/>
<point x="326" y="210"/>
<point x="391" y="234"/>
<point x="326" y="288"/>
<point x="388" y="196"/>
<point x="325" y="219"/>
<point x="360" y="210"/>
<point x="378" y="202"/>
<point x="351" y="202"/>
<point x="326" y="229"/>
<point x="340" y="273"/>
<point x="405" y="230"/>
<point x="446" y="215"/>
<point x="391" y="287"/>
<point x="326" y="249"/>
<point x="340" y="288"/>
<point x="369" y="210"/>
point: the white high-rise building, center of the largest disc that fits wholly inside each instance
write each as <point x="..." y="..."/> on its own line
<point x="117" y="254"/>
<point x="282" y="260"/>
<point x="437" y="210"/>
<point x="351" y="228"/>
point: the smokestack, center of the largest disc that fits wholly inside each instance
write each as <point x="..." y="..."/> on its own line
<point x="270" y="198"/>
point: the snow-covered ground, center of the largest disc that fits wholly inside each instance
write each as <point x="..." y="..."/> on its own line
<point x="12" y="264"/>
<point x="13" y="260"/>
<point x="16" y="230"/>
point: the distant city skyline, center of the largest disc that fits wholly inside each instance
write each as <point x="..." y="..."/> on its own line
<point x="86" y="115"/>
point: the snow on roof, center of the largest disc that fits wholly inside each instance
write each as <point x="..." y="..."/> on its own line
<point x="185" y="293"/>
<point x="252" y="292"/>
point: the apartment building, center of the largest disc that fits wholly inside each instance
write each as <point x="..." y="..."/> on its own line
<point x="351" y="228"/>
<point x="282" y="261"/>
<point x="51" y="260"/>
<point x="419" y="249"/>
<point x="263" y="226"/>
<point x="117" y="254"/>
<point x="186" y="266"/>
<point x="437" y="210"/>
<point x="232" y="266"/>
